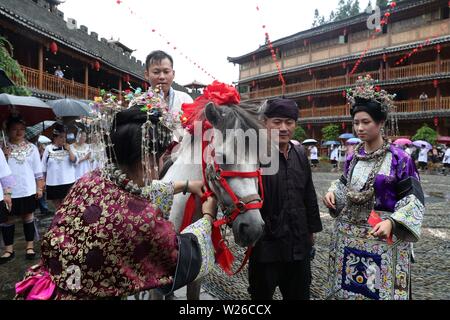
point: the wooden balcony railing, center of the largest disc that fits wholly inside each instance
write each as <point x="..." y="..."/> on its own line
<point x="331" y="111"/>
<point x="417" y="70"/>
<point x="59" y="86"/>
<point x="402" y="106"/>
<point x="422" y="69"/>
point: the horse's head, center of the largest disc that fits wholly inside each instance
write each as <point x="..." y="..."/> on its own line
<point x="234" y="174"/>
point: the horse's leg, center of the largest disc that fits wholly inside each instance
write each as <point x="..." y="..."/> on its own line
<point x="193" y="290"/>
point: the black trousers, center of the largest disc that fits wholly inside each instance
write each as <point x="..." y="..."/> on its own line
<point x="293" y="278"/>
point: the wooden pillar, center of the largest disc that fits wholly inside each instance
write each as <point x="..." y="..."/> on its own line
<point x="120" y="88"/>
<point x="41" y="66"/>
<point x="387" y="70"/>
<point x="381" y="70"/>
<point x="438" y="63"/>
<point x="438" y="98"/>
<point x="347" y="75"/>
<point x="86" y="82"/>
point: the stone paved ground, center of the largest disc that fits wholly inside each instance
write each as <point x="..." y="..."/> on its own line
<point x="431" y="272"/>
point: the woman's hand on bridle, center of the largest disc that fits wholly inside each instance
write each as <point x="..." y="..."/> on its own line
<point x="197" y="188"/>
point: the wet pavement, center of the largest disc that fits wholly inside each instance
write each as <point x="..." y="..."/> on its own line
<point x="430" y="273"/>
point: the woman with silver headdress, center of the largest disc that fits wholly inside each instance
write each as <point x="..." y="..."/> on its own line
<point x="111" y="238"/>
<point x="378" y="204"/>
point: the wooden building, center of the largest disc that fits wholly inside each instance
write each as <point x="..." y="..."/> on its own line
<point x="43" y="40"/>
<point x="409" y="56"/>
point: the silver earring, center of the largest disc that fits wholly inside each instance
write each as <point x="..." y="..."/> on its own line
<point x="382" y="132"/>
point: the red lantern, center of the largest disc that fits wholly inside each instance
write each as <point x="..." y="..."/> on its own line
<point x="126" y="78"/>
<point x="393" y="4"/>
<point x="344" y="65"/>
<point x="54" y="47"/>
<point x="310" y="98"/>
<point x="384" y="57"/>
<point x="309" y="126"/>
<point x="305" y="42"/>
<point x="344" y="94"/>
<point x="436" y="121"/>
<point x="310" y="72"/>
<point x="97" y="65"/>
<point x="435" y="83"/>
<point x="438" y="48"/>
<point x="343" y="125"/>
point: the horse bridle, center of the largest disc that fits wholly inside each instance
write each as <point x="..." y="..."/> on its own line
<point x="216" y="177"/>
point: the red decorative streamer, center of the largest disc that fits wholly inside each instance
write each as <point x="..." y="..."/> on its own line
<point x="168" y="42"/>
<point x="273" y="53"/>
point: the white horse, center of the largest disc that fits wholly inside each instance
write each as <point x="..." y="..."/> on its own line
<point x="247" y="227"/>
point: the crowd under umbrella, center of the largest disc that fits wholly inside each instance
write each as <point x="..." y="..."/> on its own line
<point x="403" y="142"/>
<point x="331" y="143"/>
<point x="309" y="142"/>
<point x="353" y="141"/>
<point x="5" y="81"/>
<point x="31" y="109"/>
<point x="65" y="108"/>
<point x="421" y="143"/>
<point x="346" y="136"/>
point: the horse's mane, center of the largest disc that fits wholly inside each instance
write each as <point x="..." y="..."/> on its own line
<point x="243" y="116"/>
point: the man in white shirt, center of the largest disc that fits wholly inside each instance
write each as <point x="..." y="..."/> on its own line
<point x="423" y="158"/>
<point x="446" y="160"/>
<point x="159" y="72"/>
<point x="334" y="155"/>
<point x="314" y="156"/>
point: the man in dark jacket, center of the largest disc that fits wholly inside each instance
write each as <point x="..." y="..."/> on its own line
<point x="281" y="258"/>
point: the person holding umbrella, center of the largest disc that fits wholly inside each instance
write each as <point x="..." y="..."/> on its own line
<point x="6" y="183"/>
<point x="314" y="156"/>
<point x="25" y="164"/>
<point x="58" y="162"/>
<point x="423" y="157"/>
<point x="334" y="156"/>
<point x="446" y="160"/>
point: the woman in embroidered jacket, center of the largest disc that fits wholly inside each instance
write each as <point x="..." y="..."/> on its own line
<point x="110" y="238"/>
<point x="378" y="204"/>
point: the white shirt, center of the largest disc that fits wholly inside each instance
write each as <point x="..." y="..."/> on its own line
<point x="4" y="171"/>
<point x="179" y="98"/>
<point x="314" y="155"/>
<point x="334" y="154"/>
<point x="81" y="167"/>
<point x="26" y="166"/>
<point x="447" y="156"/>
<point x="423" y="155"/>
<point x="56" y="163"/>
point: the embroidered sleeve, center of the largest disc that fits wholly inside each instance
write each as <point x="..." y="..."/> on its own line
<point x="161" y="195"/>
<point x="202" y="230"/>
<point x="8" y="182"/>
<point x="408" y="216"/>
<point x="339" y="188"/>
<point x="195" y="255"/>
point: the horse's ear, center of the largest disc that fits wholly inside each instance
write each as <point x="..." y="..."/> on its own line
<point x="212" y="114"/>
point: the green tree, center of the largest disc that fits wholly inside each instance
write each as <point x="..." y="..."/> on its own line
<point x="427" y="134"/>
<point x="318" y="19"/>
<point x="330" y="132"/>
<point x="299" y="134"/>
<point x="12" y="69"/>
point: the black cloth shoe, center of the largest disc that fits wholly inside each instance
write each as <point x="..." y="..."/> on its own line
<point x="11" y="256"/>
<point x="30" y="254"/>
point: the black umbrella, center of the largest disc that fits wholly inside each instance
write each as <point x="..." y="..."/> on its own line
<point x="37" y="129"/>
<point x="31" y="109"/>
<point x="4" y="80"/>
<point x="70" y="108"/>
